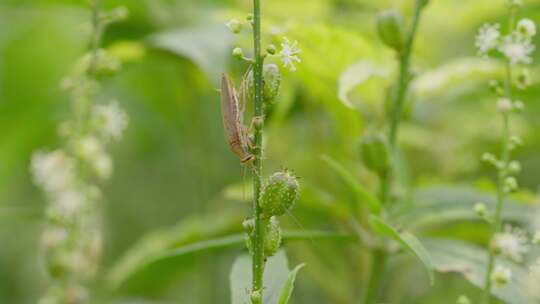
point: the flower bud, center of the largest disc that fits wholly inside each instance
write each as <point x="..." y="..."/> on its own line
<point x="256" y="296"/>
<point x="279" y="194"/>
<point x="257" y="123"/>
<point x="235" y="26"/>
<point x="526" y="28"/>
<point x="390" y="27"/>
<point x="248" y="225"/>
<point x="272" y="81"/>
<point x="375" y="153"/>
<point x="463" y="300"/>
<point x="271" y="49"/>
<point x="514" y="167"/>
<point x="501" y="276"/>
<point x="480" y="209"/>
<point x="238" y="53"/>
<point x="510" y="184"/>
<point x="536" y="238"/>
<point x="523" y="80"/>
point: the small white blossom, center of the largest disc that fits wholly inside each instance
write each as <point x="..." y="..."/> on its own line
<point x="504" y="105"/>
<point x="110" y="120"/>
<point x="533" y="279"/>
<point x="517" y="49"/>
<point x="536" y="238"/>
<point x="501" y="275"/>
<point x="89" y="147"/>
<point x="488" y="38"/>
<point x="289" y="54"/>
<point x="53" y="171"/>
<point x="526" y="28"/>
<point x="511" y="243"/>
<point x="103" y="166"/>
<point x="54" y="236"/>
<point x="69" y="203"/>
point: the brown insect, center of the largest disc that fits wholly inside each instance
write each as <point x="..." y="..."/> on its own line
<point x="235" y="130"/>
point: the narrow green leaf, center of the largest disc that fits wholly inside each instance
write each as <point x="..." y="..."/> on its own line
<point x="407" y="240"/>
<point x="360" y="192"/>
<point x="287" y="290"/>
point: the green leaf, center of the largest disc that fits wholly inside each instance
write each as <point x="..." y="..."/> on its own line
<point x="356" y="75"/>
<point x="152" y="262"/>
<point x="451" y="256"/>
<point x="287" y="290"/>
<point x="275" y="276"/>
<point x="207" y="46"/>
<point x="435" y="205"/>
<point x="360" y="192"/>
<point x="407" y="240"/>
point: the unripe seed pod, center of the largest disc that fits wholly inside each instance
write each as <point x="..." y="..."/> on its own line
<point x="256" y="296"/>
<point x="390" y="27"/>
<point x="235" y="26"/>
<point x="375" y="153"/>
<point x="272" y="237"/>
<point x="279" y="194"/>
<point x="238" y="53"/>
<point x="258" y="123"/>
<point x="271" y="83"/>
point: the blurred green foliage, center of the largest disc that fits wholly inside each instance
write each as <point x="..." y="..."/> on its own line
<point x="174" y="163"/>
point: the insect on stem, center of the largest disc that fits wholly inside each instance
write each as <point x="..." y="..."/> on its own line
<point x="235" y="130"/>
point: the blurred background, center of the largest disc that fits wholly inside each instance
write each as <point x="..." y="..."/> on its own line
<point x="176" y="181"/>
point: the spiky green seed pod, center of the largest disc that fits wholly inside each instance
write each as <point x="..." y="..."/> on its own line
<point x="391" y="29"/>
<point x="272" y="237"/>
<point x="279" y="194"/>
<point x="271" y="83"/>
<point x="375" y="153"/>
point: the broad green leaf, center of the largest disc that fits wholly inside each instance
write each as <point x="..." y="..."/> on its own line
<point x="275" y="276"/>
<point x="356" y="75"/>
<point x="287" y="289"/>
<point x="362" y="195"/>
<point x="441" y="204"/>
<point x="407" y="240"/>
<point x="452" y="256"/>
<point x="207" y="46"/>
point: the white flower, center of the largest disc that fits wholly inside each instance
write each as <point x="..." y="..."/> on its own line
<point x="517" y="49"/>
<point x="103" y="166"/>
<point x="110" y="120"/>
<point x="533" y="279"/>
<point x="501" y="275"/>
<point x="536" y="238"/>
<point x="89" y="147"/>
<point x="54" y="236"/>
<point x="512" y="243"/>
<point x="526" y="28"/>
<point x="487" y="38"/>
<point x="69" y="203"/>
<point x="504" y="105"/>
<point x="289" y="54"/>
<point x="53" y="171"/>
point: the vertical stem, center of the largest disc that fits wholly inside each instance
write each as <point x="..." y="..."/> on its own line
<point x="501" y="175"/>
<point x="380" y="256"/>
<point x="258" y="237"/>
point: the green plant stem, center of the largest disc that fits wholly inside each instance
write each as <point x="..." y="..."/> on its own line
<point x="497" y="225"/>
<point x="258" y="234"/>
<point x="378" y="265"/>
<point x="380" y="256"/>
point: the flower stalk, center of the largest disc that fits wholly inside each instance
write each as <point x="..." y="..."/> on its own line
<point x="258" y="230"/>
<point x="379" y="255"/>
